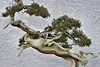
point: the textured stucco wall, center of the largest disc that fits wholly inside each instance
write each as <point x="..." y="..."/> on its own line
<point x="87" y="11"/>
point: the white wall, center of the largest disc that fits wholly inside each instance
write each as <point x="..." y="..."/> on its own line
<point x="87" y="11"/>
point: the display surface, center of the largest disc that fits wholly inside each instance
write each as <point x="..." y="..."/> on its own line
<point x="52" y="36"/>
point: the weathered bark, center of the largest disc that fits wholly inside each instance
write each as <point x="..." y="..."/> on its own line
<point x="25" y="28"/>
<point x="75" y="61"/>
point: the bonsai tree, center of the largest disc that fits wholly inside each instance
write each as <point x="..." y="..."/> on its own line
<point x="54" y="38"/>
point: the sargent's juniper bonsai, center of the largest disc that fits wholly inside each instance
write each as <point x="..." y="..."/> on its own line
<point x="54" y="38"/>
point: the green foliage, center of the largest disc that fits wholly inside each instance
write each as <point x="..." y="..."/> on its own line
<point x="77" y="34"/>
<point x="82" y="40"/>
<point x="12" y="10"/>
<point x="70" y="29"/>
<point x="65" y="23"/>
<point x="38" y="10"/>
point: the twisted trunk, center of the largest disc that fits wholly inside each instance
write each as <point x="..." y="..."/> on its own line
<point x="73" y="62"/>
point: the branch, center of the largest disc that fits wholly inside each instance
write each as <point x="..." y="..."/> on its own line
<point x="20" y="2"/>
<point x="24" y="27"/>
<point x="19" y="23"/>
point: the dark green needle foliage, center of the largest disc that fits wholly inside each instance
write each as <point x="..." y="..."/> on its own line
<point x="38" y="10"/>
<point x="70" y="29"/>
<point x="12" y="10"/>
<point x="64" y="23"/>
<point x="81" y="39"/>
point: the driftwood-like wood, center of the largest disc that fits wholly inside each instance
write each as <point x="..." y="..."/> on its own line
<point x="58" y="54"/>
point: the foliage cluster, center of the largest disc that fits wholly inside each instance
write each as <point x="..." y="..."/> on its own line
<point x="34" y="9"/>
<point x="70" y="29"/>
<point x="12" y="10"/>
<point x="38" y="10"/>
